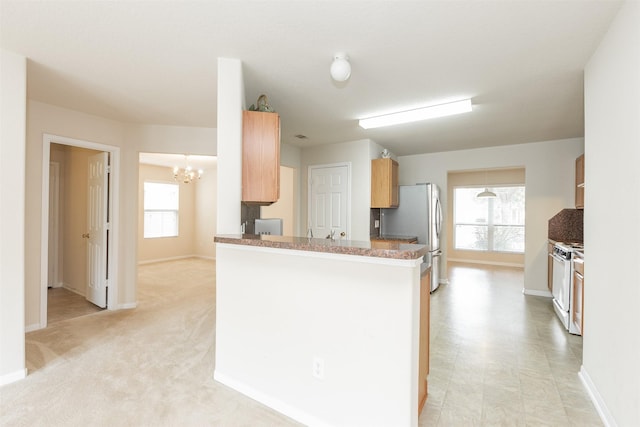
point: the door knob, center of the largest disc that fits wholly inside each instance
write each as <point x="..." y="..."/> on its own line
<point x="85" y="235"/>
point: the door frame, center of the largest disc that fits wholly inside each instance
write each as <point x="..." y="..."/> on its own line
<point x="310" y="168"/>
<point x="114" y="202"/>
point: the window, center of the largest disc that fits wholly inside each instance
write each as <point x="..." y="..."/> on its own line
<point x="489" y="224"/>
<point x="160" y="209"/>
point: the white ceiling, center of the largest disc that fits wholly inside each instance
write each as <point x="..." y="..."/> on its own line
<point x="153" y="62"/>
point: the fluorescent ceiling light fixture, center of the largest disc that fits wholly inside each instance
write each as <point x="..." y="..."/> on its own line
<point x="418" y="114"/>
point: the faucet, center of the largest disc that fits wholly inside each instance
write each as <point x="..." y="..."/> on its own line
<point x="330" y="235"/>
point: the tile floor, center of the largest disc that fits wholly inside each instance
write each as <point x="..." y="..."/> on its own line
<point x="501" y="358"/>
<point x="63" y="304"/>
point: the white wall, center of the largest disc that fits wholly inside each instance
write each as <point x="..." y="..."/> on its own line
<point x="360" y="315"/>
<point x="173" y="139"/>
<point x="230" y="105"/>
<point x="164" y="248"/>
<point x="132" y="139"/>
<point x="611" y="353"/>
<point x="549" y="179"/>
<point x="13" y="90"/>
<point x="206" y="213"/>
<point x="48" y="119"/>
<point x="290" y="156"/>
<point x="358" y="153"/>
<point x="287" y="204"/>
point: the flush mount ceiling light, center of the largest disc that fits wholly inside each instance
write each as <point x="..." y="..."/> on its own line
<point x="418" y="114"/>
<point x="340" y="67"/>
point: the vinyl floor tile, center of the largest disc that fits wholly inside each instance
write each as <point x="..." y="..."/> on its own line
<point x="501" y="358"/>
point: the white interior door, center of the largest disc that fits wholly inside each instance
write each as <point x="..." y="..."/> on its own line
<point x="97" y="221"/>
<point x="53" y="262"/>
<point x="329" y="200"/>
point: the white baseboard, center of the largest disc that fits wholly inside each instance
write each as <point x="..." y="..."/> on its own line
<point x="596" y="398"/>
<point x="273" y="403"/>
<point x="537" y="293"/>
<point x="127" y="306"/>
<point x="175" y="258"/>
<point x="33" y="327"/>
<point x="13" y="377"/>
<point x="496" y="263"/>
<point x="70" y="289"/>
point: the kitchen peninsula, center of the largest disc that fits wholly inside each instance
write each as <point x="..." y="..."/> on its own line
<point x="328" y="332"/>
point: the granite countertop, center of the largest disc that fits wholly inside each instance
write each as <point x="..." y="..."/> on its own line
<point x="346" y="247"/>
<point x="392" y="237"/>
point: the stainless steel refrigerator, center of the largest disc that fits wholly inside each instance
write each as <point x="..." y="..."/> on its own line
<point x="419" y="213"/>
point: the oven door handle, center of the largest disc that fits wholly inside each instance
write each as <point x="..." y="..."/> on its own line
<point x="558" y="258"/>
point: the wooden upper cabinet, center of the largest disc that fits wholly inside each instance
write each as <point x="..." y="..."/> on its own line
<point x="260" y="157"/>
<point x="384" y="183"/>
<point x="580" y="182"/>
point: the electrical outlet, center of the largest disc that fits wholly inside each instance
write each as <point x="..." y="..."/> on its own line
<point x="317" y="370"/>
<point x="376" y="223"/>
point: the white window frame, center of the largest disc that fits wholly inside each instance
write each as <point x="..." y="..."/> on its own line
<point x="175" y="211"/>
<point x="490" y="225"/>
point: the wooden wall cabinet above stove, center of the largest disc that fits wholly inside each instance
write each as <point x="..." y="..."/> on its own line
<point x="260" y="157"/>
<point x="580" y="182"/>
<point x="384" y="183"/>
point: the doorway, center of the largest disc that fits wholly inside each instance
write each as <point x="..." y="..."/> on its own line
<point x="181" y="227"/>
<point x="53" y="222"/>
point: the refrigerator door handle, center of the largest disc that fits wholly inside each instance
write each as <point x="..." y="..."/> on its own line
<point x="438" y="217"/>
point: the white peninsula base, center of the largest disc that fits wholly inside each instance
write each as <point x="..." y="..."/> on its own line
<point x="326" y="339"/>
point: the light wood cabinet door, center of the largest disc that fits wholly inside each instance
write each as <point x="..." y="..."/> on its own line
<point x="260" y="157"/>
<point x="423" y="357"/>
<point x="384" y="183"/>
<point x="577" y="302"/>
<point x="580" y="182"/>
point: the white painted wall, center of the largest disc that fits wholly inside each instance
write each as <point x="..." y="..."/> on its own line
<point x="611" y="353"/>
<point x="230" y="105"/>
<point x="206" y="213"/>
<point x="358" y="153"/>
<point x="173" y="139"/>
<point x="48" y="119"/>
<point x="360" y="315"/>
<point x="13" y="90"/>
<point x="290" y="156"/>
<point x="549" y="180"/>
<point x="44" y="118"/>
<point x="285" y="207"/>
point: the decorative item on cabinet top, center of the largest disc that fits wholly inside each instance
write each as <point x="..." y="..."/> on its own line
<point x="262" y="105"/>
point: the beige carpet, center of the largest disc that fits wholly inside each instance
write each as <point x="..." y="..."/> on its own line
<point x="150" y="366"/>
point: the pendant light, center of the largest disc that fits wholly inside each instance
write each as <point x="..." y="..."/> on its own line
<point x="486" y="194"/>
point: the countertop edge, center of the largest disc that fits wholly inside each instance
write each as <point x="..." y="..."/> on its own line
<point x="344" y="247"/>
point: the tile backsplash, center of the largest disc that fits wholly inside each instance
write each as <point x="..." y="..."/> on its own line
<point x="373" y="217"/>
<point x="567" y="226"/>
<point x="248" y="216"/>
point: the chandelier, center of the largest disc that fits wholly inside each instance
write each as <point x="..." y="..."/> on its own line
<point x="187" y="174"/>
